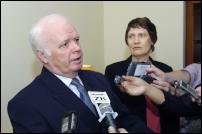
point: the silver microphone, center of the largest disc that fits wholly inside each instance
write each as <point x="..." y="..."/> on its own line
<point x="186" y="87"/>
<point x="69" y="122"/>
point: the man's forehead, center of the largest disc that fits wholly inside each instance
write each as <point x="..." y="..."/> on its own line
<point x="59" y="28"/>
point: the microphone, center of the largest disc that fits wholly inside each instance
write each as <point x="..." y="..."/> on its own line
<point x="118" y="80"/>
<point x="131" y="69"/>
<point x="104" y="109"/>
<point x="69" y="122"/>
<point x="138" y="68"/>
<point x="186" y="87"/>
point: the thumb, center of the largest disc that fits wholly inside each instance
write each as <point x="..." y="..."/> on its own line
<point x="111" y="129"/>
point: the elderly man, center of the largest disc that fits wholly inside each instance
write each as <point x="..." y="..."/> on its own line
<point x="61" y="87"/>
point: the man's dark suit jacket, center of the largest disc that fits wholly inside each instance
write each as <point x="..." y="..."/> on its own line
<point x="41" y="105"/>
<point x="137" y="104"/>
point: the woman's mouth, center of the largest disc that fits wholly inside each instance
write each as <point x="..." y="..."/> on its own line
<point x="137" y="48"/>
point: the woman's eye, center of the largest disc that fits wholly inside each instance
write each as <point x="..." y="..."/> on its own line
<point x="130" y="36"/>
<point x="141" y="35"/>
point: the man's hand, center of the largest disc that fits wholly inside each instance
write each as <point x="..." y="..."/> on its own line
<point x="136" y="86"/>
<point x="162" y="81"/>
<point x="165" y="86"/>
<point x="121" y="130"/>
<point x="133" y="86"/>
<point x="156" y="73"/>
<point x="198" y="91"/>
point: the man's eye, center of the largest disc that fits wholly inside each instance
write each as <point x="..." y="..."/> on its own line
<point x="66" y="44"/>
<point x="76" y="39"/>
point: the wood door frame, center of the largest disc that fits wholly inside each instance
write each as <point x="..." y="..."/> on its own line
<point x="190" y="32"/>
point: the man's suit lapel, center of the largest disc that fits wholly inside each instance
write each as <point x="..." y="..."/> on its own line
<point x="69" y="100"/>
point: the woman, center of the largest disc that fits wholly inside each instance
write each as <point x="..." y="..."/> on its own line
<point x="140" y="37"/>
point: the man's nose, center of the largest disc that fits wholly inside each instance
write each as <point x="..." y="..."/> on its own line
<point x="76" y="46"/>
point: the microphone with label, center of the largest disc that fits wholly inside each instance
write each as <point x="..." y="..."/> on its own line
<point x="104" y="109"/>
<point x="69" y="122"/>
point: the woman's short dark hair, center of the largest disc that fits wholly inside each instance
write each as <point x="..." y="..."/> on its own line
<point x="143" y="23"/>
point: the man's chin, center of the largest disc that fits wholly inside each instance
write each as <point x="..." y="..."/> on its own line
<point x="77" y="67"/>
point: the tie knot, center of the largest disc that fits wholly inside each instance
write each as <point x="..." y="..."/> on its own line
<point x="76" y="82"/>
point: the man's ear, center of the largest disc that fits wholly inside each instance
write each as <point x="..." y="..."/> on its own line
<point x="42" y="56"/>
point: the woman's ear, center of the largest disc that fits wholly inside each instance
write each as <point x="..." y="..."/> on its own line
<point x="42" y="56"/>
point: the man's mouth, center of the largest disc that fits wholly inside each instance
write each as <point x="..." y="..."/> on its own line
<point x="77" y="59"/>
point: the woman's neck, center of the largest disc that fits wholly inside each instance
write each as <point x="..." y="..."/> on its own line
<point x="140" y="59"/>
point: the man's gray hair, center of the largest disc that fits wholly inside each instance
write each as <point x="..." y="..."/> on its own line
<point x="37" y="38"/>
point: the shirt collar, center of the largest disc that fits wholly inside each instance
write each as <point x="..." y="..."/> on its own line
<point x="67" y="80"/>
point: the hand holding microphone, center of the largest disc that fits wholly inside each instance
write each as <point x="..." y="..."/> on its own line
<point x="138" y="69"/>
<point x="121" y="130"/>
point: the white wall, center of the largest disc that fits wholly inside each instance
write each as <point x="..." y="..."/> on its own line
<point x="101" y="26"/>
<point x="167" y="16"/>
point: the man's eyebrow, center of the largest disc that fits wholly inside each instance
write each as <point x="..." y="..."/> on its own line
<point x="77" y="36"/>
<point x="67" y="40"/>
<point x="62" y="42"/>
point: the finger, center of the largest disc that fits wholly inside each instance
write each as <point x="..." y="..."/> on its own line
<point x="193" y="99"/>
<point x="156" y="77"/>
<point x="125" y="86"/>
<point x="129" y="89"/>
<point x="111" y="129"/>
<point x="129" y="78"/>
<point x="151" y="69"/>
<point x="122" y="89"/>
<point x="157" y="86"/>
<point x="122" y="130"/>
<point x="160" y="87"/>
<point x="161" y="83"/>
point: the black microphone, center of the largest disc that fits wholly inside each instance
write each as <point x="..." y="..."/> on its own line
<point x="69" y="122"/>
